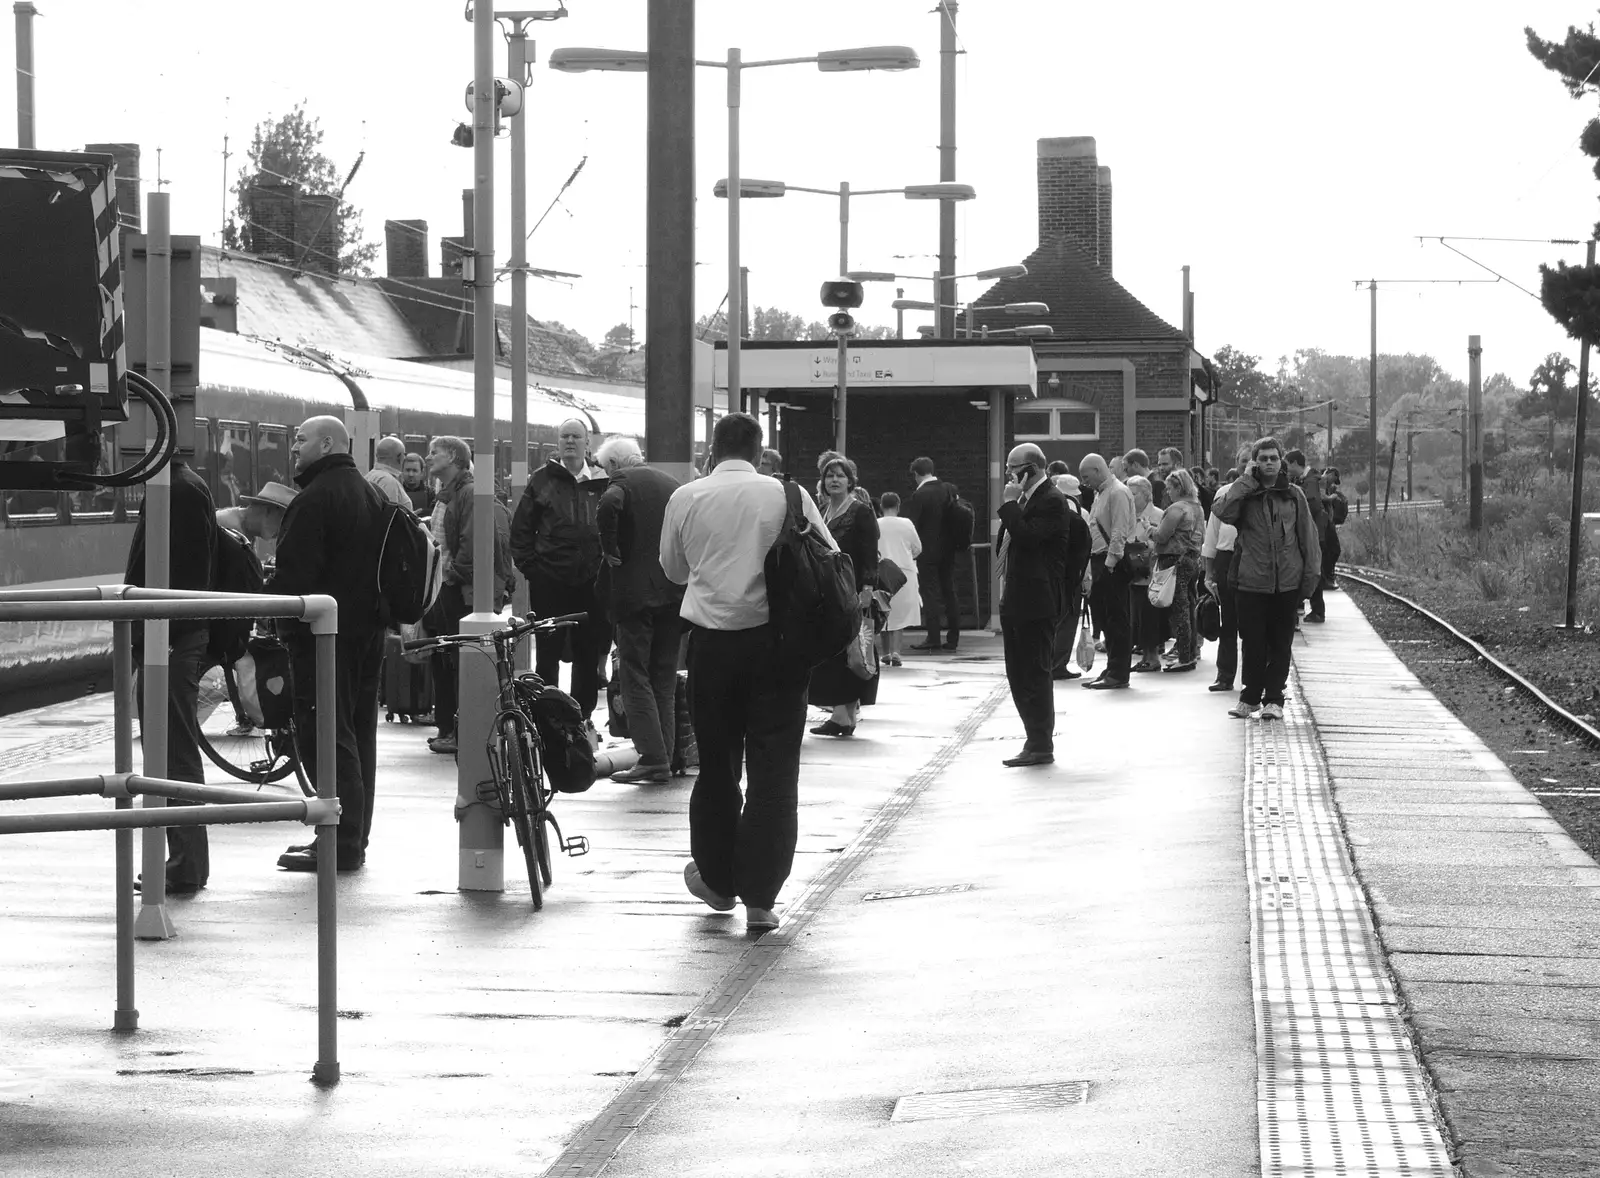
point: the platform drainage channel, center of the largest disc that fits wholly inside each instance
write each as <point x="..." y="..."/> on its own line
<point x="1339" y="1088"/>
<point x="907" y="893"/>
<point x="984" y="1102"/>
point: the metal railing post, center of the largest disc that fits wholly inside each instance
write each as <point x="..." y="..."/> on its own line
<point x="126" y="1017"/>
<point x="326" y="1069"/>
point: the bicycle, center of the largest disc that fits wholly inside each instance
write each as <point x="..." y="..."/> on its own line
<point x="256" y="755"/>
<point x="518" y="785"/>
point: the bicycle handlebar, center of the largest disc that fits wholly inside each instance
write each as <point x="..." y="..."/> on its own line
<point x="514" y="631"/>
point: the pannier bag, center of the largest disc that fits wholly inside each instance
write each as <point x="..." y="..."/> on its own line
<point x="568" y="755"/>
<point x="265" y="682"/>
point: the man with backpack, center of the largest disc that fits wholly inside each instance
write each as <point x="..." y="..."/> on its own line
<point x="333" y="536"/>
<point x="747" y="694"/>
<point x="932" y="509"/>
<point x="1338" y="512"/>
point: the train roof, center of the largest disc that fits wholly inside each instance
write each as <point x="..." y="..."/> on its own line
<point x="269" y="370"/>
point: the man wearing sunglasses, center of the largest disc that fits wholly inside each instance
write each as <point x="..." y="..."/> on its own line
<point x="1277" y="564"/>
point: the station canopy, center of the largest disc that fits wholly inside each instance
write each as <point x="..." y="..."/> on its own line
<point x="882" y="365"/>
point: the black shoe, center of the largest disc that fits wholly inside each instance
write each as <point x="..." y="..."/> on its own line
<point x="1176" y="668"/>
<point x="1060" y="675"/>
<point x="949" y="646"/>
<point x="1221" y="685"/>
<point x="306" y="860"/>
<point x="175" y="887"/>
<point x="923" y="646"/>
<point x="653" y="774"/>
<point x="445" y="744"/>
<point x="1105" y="684"/>
<point x="1316" y="618"/>
<point x="1145" y="665"/>
<point x="1028" y="757"/>
<point x="830" y="728"/>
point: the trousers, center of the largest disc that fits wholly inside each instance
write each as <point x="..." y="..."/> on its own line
<point x="1110" y="597"/>
<point x="647" y="662"/>
<point x="1066" y="635"/>
<point x="1228" y="606"/>
<point x="188" y="849"/>
<point x="749" y="718"/>
<point x="937" y="580"/>
<point x="1266" y="631"/>
<point x="590" y="640"/>
<point x="1029" y="646"/>
<point x="358" y="665"/>
<point x="447" y="613"/>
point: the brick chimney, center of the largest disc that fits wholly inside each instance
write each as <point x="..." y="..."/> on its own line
<point x="1103" y="204"/>
<point x="128" y="196"/>
<point x="1071" y="196"/>
<point x="407" y="247"/>
<point x="316" y="232"/>
<point x="271" y="231"/>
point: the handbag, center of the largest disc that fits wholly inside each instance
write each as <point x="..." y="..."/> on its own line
<point x="1084" y="655"/>
<point x="1163" y="585"/>
<point x="861" y="656"/>
<point x="1208" y="617"/>
<point x="891" y="577"/>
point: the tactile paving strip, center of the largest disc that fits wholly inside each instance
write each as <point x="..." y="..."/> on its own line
<point x="1339" y="1090"/>
<point x="591" y="1150"/>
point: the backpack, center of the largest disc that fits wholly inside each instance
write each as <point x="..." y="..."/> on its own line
<point x="811" y="592"/>
<point x="958" y="520"/>
<point x="410" y="569"/>
<point x="234" y="569"/>
<point x="1338" y="507"/>
<point x="568" y="755"/>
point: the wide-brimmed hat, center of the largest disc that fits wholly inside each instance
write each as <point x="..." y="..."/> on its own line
<point x="1068" y="484"/>
<point x="272" y="495"/>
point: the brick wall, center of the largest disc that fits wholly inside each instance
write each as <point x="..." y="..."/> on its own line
<point x="406" y="243"/>
<point x="271" y="208"/>
<point x="894" y="429"/>
<point x="1069" y="192"/>
<point x="1103" y="207"/>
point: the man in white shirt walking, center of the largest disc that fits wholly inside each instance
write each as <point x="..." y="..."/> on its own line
<point x="749" y="711"/>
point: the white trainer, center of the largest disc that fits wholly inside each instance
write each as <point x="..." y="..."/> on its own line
<point x="1242" y="711"/>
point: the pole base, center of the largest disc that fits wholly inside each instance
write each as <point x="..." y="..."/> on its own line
<point x="153" y="924"/>
<point x="125" y="1020"/>
<point x="481" y="869"/>
<point x="325" y="1075"/>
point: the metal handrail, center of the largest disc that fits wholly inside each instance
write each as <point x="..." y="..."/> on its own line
<point x="123" y="605"/>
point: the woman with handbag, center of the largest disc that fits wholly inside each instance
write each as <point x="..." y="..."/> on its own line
<point x="1177" y="541"/>
<point x="898" y="549"/>
<point x="849" y="679"/>
<point x="1141" y="563"/>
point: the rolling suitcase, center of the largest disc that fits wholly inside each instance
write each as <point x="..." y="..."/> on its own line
<point x="407" y="687"/>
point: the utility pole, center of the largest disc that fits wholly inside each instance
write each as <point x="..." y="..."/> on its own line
<point x="1327" y="459"/>
<point x="669" y="240"/>
<point x="1475" y="432"/>
<point x="1579" y="425"/>
<point x="25" y="12"/>
<point x="1410" y="436"/>
<point x="1388" y="483"/>
<point x="518" y="56"/>
<point x="1372" y="412"/>
<point x="480" y="840"/>
<point x="944" y="291"/>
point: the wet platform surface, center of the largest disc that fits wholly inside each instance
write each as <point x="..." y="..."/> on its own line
<point x="1043" y="971"/>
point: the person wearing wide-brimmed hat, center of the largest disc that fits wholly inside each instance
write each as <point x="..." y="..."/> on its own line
<point x="259" y="517"/>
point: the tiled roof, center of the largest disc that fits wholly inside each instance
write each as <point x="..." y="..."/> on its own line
<point x="1086" y="304"/>
<point x="434" y="308"/>
<point x="277" y="302"/>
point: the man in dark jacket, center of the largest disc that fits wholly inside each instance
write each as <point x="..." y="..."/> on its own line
<point x="332" y="537"/>
<point x="450" y="462"/>
<point x="1310" y="484"/>
<point x="1033" y="595"/>
<point x="929" y="511"/>
<point x="555" y="541"/>
<point x="643" y="604"/>
<point x="193" y="548"/>
<point x="1277" y="563"/>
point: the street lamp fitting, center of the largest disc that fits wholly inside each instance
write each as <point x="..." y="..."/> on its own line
<point x="940" y="192"/>
<point x="578" y="59"/>
<point x="908" y="304"/>
<point x="870" y="276"/>
<point x="871" y="57"/>
<point x="750" y="189"/>
<point x="999" y="272"/>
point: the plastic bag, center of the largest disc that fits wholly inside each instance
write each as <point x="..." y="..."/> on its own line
<point x="861" y="656"/>
<point x="1084" y="655"/>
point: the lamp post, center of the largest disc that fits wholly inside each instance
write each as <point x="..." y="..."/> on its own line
<point x="893" y="58"/>
<point x="970" y="311"/>
<point x="775" y="188"/>
<point x="994" y="275"/>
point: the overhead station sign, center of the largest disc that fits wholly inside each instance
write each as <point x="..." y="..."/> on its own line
<point x="872" y="366"/>
<point x="941" y="364"/>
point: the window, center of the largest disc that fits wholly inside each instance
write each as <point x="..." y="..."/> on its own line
<point x="272" y="454"/>
<point x="235" y="464"/>
<point x="1057" y="421"/>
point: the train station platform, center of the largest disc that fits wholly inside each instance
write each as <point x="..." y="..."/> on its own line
<point x="1345" y="944"/>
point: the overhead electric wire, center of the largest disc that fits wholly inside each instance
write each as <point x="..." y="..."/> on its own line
<point x="1490" y="269"/>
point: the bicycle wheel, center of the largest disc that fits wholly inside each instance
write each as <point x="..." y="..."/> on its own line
<point x="540" y="795"/>
<point x="254" y="755"/>
<point x="515" y="799"/>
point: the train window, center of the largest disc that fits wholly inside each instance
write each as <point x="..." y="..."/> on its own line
<point x="272" y="453"/>
<point x="235" y="463"/>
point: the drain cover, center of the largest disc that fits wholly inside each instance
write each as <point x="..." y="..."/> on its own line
<point x="984" y="1102"/>
<point x="902" y="893"/>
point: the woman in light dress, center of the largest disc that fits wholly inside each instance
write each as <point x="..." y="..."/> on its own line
<point x="898" y="542"/>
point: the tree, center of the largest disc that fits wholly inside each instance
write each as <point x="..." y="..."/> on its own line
<point x="285" y="150"/>
<point x="772" y="323"/>
<point x="1571" y="294"/>
<point x="1549" y="396"/>
<point x="620" y="336"/>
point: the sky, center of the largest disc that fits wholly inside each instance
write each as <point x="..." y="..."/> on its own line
<point x="1281" y="151"/>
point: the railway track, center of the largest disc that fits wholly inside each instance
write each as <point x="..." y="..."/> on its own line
<point x="1558" y="713"/>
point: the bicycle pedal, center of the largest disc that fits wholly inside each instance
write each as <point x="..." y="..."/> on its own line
<point x="576" y="845"/>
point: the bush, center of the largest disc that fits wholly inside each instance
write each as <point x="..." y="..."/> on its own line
<point x="1492" y="580"/>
